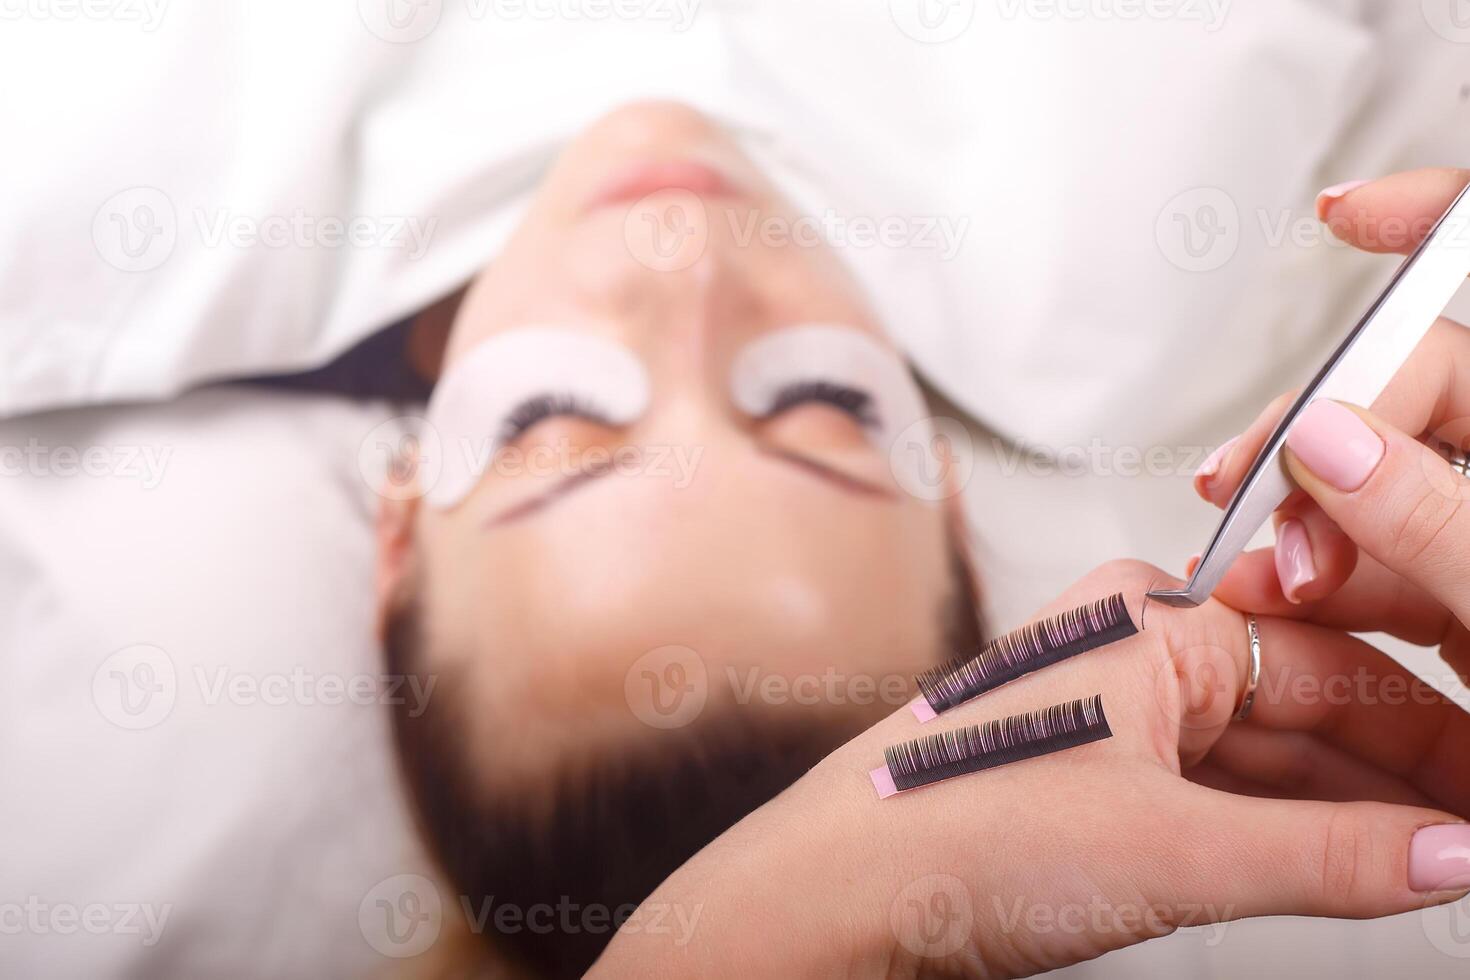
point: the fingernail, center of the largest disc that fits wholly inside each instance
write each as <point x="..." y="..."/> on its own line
<point x="1210" y="468"/>
<point x="1294" y="565"/>
<point x="1335" y="444"/>
<point x="1340" y="190"/>
<point x="1439" y="858"/>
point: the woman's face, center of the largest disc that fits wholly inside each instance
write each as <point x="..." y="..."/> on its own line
<point x="769" y="542"/>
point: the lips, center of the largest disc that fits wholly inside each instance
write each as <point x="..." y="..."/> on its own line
<point x="642" y="179"/>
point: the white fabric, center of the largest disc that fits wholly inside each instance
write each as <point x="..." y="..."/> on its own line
<point x="1042" y="168"/>
<point x="223" y="543"/>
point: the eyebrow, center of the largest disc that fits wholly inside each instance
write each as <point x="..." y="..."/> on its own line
<point x="816" y="467"/>
<point x="806" y="464"/>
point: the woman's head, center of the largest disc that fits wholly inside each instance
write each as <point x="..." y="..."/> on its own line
<point x="672" y="562"/>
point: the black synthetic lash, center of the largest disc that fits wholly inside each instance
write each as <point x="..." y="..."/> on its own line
<point x="1027" y="649"/>
<point x="853" y="401"/>
<point x="979" y="747"/>
<point x="538" y="407"/>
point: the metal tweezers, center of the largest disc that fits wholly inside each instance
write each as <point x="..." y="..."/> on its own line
<point x="1357" y="372"/>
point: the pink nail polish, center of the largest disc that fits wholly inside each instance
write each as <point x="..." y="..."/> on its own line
<point x="1340" y="190"/>
<point x="1336" y="445"/>
<point x="1439" y="858"/>
<point x="1294" y="564"/>
<point x="1212" y="462"/>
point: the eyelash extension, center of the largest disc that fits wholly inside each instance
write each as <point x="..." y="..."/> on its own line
<point x="539" y="407"/>
<point x="976" y="748"/>
<point x="853" y="401"/>
<point x="1023" y="651"/>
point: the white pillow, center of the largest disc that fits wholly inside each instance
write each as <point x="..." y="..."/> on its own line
<point x="1076" y="148"/>
<point x="187" y="732"/>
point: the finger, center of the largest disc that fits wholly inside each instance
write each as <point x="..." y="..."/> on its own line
<point x="1372" y="600"/>
<point x="1312" y="555"/>
<point x="1394" y="496"/>
<point x="1295" y="765"/>
<point x="1249" y="856"/>
<point x="1356" y="698"/>
<point x="1391" y="214"/>
<point x="1428" y="395"/>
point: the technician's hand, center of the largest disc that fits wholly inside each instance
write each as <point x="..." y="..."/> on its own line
<point x="1379" y="536"/>
<point x="1052" y="861"/>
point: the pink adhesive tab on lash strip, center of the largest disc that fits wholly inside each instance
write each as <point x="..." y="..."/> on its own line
<point x="883" y="782"/>
<point x="922" y="710"/>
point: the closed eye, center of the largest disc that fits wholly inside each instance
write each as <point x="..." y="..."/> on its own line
<point x="853" y="401"/>
<point x="527" y="414"/>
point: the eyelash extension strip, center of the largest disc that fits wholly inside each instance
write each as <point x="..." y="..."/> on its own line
<point x="976" y="748"/>
<point x="1023" y="651"/>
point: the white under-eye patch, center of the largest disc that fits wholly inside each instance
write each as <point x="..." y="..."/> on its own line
<point x="479" y="393"/>
<point x="778" y="363"/>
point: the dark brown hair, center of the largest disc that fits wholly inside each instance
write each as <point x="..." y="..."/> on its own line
<point x="587" y="848"/>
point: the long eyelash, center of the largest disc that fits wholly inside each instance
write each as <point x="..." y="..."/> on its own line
<point x="995" y="743"/>
<point x="539" y="407"/>
<point x="853" y="401"/>
<point x="1027" y="649"/>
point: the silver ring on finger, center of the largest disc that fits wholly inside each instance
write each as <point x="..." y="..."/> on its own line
<point x="1248" y="696"/>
